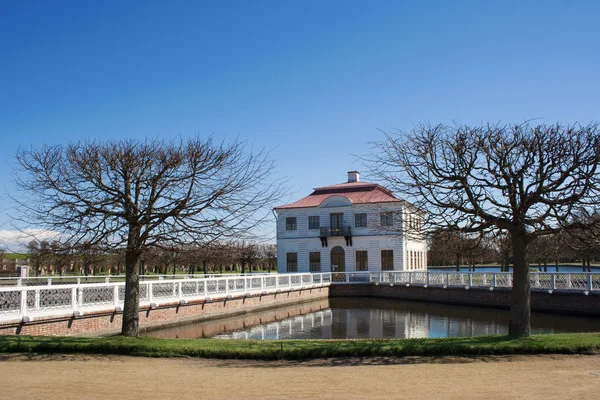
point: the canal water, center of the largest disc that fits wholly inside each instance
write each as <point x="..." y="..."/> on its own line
<point x="370" y="318"/>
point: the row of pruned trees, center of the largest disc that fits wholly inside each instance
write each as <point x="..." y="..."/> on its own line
<point x="446" y="248"/>
<point x="54" y="257"/>
<point x="239" y="257"/>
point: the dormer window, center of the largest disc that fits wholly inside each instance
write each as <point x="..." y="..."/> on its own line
<point x="290" y="224"/>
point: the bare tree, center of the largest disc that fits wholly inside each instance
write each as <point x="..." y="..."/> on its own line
<point x="540" y="251"/>
<point x="61" y="256"/>
<point x="89" y="256"/>
<point x="585" y="242"/>
<point x="269" y="254"/>
<point x="526" y="180"/>
<point x="247" y="253"/>
<point x="455" y="246"/>
<point x="504" y="245"/>
<point x="39" y="255"/>
<point x="133" y="195"/>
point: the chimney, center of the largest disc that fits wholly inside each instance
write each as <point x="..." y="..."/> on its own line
<point x="353" y="176"/>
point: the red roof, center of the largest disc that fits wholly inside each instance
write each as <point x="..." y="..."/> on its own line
<point x="356" y="192"/>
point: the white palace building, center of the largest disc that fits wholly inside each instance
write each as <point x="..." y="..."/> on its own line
<point x="349" y="227"/>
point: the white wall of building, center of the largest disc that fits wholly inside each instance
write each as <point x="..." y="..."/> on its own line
<point x="409" y="253"/>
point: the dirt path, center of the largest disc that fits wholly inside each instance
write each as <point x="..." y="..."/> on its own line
<point x="91" y="377"/>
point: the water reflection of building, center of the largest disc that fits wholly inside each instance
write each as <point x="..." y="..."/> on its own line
<point x="362" y="323"/>
<point x="316" y="324"/>
<point x="373" y="318"/>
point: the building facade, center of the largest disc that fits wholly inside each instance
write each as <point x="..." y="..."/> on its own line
<point x="350" y="227"/>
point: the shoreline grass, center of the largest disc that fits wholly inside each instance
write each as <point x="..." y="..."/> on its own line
<point x="302" y="349"/>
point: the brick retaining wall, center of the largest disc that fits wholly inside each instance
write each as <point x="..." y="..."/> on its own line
<point x="555" y="302"/>
<point x="164" y="315"/>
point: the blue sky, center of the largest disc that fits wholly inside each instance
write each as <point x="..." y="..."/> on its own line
<point x="313" y="79"/>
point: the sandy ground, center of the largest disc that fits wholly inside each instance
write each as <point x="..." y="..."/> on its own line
<point x="112" y="377"/>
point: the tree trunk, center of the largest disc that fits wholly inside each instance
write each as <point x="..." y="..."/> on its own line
<point x="520" y="309"/>
<point x="131" y="307"/>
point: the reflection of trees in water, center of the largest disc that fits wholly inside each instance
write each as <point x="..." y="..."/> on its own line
<point x="374" y="318"/>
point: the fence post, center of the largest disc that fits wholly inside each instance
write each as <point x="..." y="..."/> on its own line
<point x="447" y="279"/>
<point x="150" y="294"/>
<point x="470" y="279"/>
<point x="427" y="278"/>
<point x="23" y="303"/>
<point x="180" y="294"/>
<point x="410" y="278"/>
<point x="74" y="298"/>
<point x="49" y="281"/>
<point x="589" y="282"/>
<point x="116" y="295"/>
<point x="37" y="299"/>
<point x="553" y="281"/>
<point x="19" y="281"/>
<point x="494" y="280"/>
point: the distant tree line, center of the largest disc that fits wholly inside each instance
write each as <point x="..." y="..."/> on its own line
<point x="57" y="258"/>
<point x="546" y="252"/>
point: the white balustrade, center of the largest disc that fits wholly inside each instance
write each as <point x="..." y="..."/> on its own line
<point x="21" y="301"/>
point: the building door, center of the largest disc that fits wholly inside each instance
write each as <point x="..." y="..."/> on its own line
<point x="338" y="258"/>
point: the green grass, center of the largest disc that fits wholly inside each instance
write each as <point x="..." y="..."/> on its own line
<point x="303" y="349"/>
<point x="15" y="256"/>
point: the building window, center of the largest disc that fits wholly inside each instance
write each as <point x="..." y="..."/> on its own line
<point x="290" y="224"/>
<point x="292" y="262"/>
<point x="315" y="261"/>
<point x="386" y="218"/>
<point x="314" y="222"/>
<point x="360" y="220"/>
<point x="361" y="261"/>
<point x="387" y="260"/>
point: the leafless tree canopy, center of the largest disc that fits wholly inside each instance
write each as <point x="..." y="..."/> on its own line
<point x="133" y="195"/>
<point x="473" y="178"/>
<point x="529" y="181"/>
<point x="176" y="192"/>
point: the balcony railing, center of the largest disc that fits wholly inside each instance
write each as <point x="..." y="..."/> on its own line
<point x="342" y="231"/>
